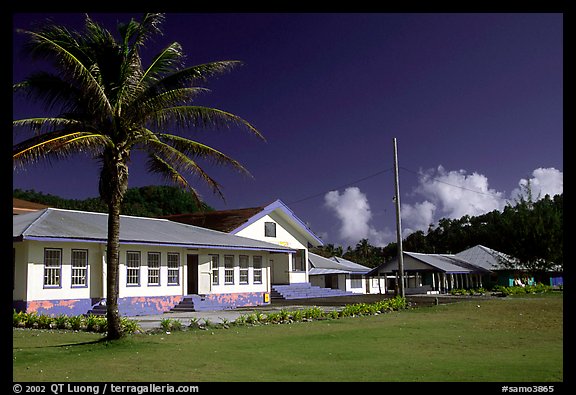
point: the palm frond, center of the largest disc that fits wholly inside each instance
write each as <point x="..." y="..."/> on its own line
<point x="186" y="117"/>
<point x="167" y="61"/>
<point x="50" y="124"/>
<point x="179" y="162"/>
<point x="140" y="109"/>
<point x="57" y="145"/>
<point x="56" y="43"/>
<point x="191" y="75"/>
<point x="160" y="166"/>
<point x="196" y="149"/>
<point x="48" y="89"/>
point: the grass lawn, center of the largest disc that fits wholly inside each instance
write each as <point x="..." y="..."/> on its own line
<point x="512" y="339"/>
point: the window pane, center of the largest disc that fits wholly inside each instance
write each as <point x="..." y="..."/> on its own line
<point x="270" y="229"/>
<point x="215" y="269"/>
<point x="173" y="268"/>
<point x="154" y="268"/>
<point x="243" y="269"/>
<point x="257" y="270"/>
<point x="52" y="267"/>
<point x="228" y="269"/>
<point x="133" y="268"/>
<point x="79" y="267"/>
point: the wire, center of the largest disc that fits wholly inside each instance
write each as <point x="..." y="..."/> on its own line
<point x="387" y="170"/>
<point x="457" y="186"/>
<point x="341" y="186"/>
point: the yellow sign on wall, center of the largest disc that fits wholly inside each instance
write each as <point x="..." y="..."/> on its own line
<point x="266" y="298"/>
<point x="284" y="243"/>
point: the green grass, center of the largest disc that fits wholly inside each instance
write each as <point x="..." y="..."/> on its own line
<point x="504" y="339"/>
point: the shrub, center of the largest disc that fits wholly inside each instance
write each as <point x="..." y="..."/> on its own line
<point x="128" y="325"/>
<point x="170" y="324"/>
<point x="76" y="322"/>
<point x="61" y="321"/>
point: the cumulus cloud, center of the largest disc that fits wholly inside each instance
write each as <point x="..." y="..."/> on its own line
<point x="544" y="181"/>
<point x="447" y="194"/>
<point x="353" y="210"/>
<point x="418" y="216"/>
<point x="455" y="193"/>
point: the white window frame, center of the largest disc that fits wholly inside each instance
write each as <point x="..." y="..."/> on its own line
<point x="133" y="264"/>
<point x="173" y="268"/>
<point x="153" y="267"/>
<point x="257" y="269"/>
<point x="52" y="268"/>
<point x="244" y="265"/>
<point x="79" y="273"/>
<point x="228" y="269"/>
<point x="215" y="266"/>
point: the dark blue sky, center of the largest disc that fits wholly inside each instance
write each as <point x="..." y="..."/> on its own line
<point x="474" y="100"/>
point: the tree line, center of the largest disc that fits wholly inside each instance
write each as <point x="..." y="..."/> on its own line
<point x="148" y="201"/>
<point x="531" y="231"/>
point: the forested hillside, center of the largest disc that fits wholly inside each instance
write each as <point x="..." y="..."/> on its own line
<point x="148" y="201"/>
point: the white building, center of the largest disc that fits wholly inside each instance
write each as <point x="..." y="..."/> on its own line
<point x="59" y="259"/>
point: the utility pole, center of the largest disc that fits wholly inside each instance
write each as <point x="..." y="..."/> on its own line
<point x="398" y="223"/>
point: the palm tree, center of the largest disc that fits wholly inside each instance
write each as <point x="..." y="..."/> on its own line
<point x="111" y="105"/>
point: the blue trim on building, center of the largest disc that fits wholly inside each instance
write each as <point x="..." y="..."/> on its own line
<point x="143" y="305"/>
<point x="278" y="204"/>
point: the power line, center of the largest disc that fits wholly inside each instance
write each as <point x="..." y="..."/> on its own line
<point x="387" y="170"/>
<point x="458" y="186"/>
<point x="342" y="186"/>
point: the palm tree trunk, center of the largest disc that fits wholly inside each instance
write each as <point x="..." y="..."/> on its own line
<point x="112" y="255"/>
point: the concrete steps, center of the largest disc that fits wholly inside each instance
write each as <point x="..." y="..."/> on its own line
<point x="304" y="291"/>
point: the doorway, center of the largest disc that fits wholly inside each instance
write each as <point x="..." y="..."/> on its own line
<point x="192" y="263"/>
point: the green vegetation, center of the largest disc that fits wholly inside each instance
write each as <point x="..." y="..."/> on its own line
<point x="148" y="201"/>
<point x="512" y="339"/>
<point x="90" y="323"/>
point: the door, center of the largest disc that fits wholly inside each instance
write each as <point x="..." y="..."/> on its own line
<point x="192" y="263"/>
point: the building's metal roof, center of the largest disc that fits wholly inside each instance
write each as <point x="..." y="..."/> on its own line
<point x="334" y="265"/>
<point x="447" y="263"/>
<point x="485" y="257"/>
<point x="69" y="225"/>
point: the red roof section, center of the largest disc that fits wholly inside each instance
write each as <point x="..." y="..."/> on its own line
<point x="223" y="221"/>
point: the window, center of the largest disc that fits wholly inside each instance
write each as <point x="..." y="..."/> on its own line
<point x="270" y="229"/>
<point x="153" y="268"/>
<point x="243" y="269"/>
<point x="215" y="269"/>
<point x="173" y="268"/>
<point x="298" y="261"/>
<point x="132" y="268"/>
<point x="228" y="269"/>
<point x="355" y="281"/>
<point x="257" y="271"/>
<point x="79" y="268"/>
<point x="52" y="267"/>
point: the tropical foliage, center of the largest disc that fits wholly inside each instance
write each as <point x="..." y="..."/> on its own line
<point x="148" y="201"/>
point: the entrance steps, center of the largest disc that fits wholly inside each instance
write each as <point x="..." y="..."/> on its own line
<point x="304" y="291"/>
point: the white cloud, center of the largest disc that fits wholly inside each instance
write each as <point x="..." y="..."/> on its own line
<point x="453" y="194"/>
<point x="353" y="211"/>
<point x="418" y="216"/>
<point x="456" y="193"/>
<point x="544" y="181"/>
